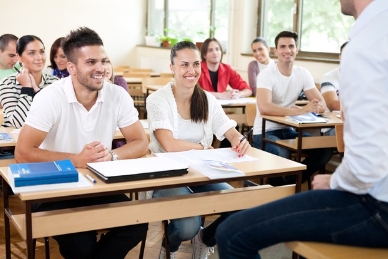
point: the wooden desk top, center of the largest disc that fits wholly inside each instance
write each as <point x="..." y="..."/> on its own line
<point x="266" y="164"/>
<point x="153" y="74"/>
<point x="133" y="80"/>
<point x="332" y="116"/>
<point x="14" y="136"/>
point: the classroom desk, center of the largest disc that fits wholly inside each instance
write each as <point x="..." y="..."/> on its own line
<point x="301" y="143"/>
<point x="153" y="74"/>
<point x="43" y="224"/>
<point x="9" y="144"/>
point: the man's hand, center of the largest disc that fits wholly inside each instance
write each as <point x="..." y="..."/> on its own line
<point x="312" y="106"/>
<point x="227" y="95"/>
<point x="321" y="182"/>
<point x="92" y="152"/>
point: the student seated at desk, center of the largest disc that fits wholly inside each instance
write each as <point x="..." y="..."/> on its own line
<point x="349" y="207"/>
<point x="216" y="76"/>
<point x="260" y="51"/>
<point x="278" y="88"/>
<point x="8" y="57"/>
<point x="58" y="60"/>
<point x="330" y="90"/>
<point x="182" y="117"/>
<point x="76" y="118"/>
<point x="112" y="78"/>
<point x="17" y="91"/>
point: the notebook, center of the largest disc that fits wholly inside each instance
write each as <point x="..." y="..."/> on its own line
<point x="138" y="169"/>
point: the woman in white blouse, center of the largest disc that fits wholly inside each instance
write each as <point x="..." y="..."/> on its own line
<point x="260" y="51"/>
<point x="182" y="117"/>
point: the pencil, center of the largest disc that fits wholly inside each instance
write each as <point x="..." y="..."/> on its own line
<point x="245" y="136"/>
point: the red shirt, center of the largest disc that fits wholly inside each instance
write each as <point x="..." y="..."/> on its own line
<point x="226" y="76"/>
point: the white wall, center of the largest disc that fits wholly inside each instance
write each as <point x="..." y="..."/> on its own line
<point x="120" y="23"/>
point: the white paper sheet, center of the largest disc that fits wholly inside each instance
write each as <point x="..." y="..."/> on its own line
<point x="196" y="160"/>
<point x="237" y="101"/>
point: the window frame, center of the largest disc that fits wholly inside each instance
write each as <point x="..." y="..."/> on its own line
<point x="302" y="55"/>
<point x="212" y="18"/>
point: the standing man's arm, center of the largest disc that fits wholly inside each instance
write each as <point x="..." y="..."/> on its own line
<point x="27" y="150"/>
<point x="137" y="142"/>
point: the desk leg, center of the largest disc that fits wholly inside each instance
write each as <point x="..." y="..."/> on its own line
<point x="263" y="135"/>
<point x="29" y="242"/>
<point x="299" y="151"/>
<point x="298" y="185"/>
<point x="145" y="109"/>
<point x="7" y="230"/>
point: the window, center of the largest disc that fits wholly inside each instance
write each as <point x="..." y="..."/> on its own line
<point x="321" y="26"/>
<point x="195" y="20"/>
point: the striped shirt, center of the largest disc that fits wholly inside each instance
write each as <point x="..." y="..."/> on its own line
<point x="16" y="100"/>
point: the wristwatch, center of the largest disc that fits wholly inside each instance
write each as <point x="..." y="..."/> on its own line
<point x="114" y="156"/>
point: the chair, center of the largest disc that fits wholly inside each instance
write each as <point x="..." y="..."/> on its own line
<point x="135" y="89"/>
<point x="250" y="113"/>
<point x="315" y="250"/>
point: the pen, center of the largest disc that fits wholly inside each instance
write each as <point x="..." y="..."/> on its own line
<point x="16" y="69"/>
<point x="90" y="178"/>
<point x="245" y="136"/>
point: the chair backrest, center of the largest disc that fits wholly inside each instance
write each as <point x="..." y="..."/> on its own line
<point x="339" y="136"/>
<point x="250" y="112"/>
<point x="154" y="81"/>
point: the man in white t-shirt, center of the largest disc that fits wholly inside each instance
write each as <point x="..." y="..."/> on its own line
<point x="76" y="118"/>
<point x="279" y="86"/>
<point x="330" y="90"/>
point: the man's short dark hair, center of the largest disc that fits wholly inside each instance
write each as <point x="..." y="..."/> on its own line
<point x="5" y="39"/>
<point x="77" y="39"/>
<point x="286" y="34"/>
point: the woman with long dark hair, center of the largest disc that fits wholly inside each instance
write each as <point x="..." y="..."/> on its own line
<point x="17" y="91"/>
<point x="182" y="116"/>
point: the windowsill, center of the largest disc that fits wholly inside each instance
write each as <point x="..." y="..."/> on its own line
<point x="154" y="47"/>
<point x="309" y="56"/>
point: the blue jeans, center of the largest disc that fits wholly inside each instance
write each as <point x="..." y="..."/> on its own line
<point x="327" y="216"/>
<point x="183" y="229"/>
<point x="317" y="158"/>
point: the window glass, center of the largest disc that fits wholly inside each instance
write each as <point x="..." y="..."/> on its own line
<point x="196" y="20"/>
<point x="324" y="27"/>
<point x="155" y="17"/>
<point x="277" y="16"/>
<point x="188" y="19"/>
<point x="220" y="27"/>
